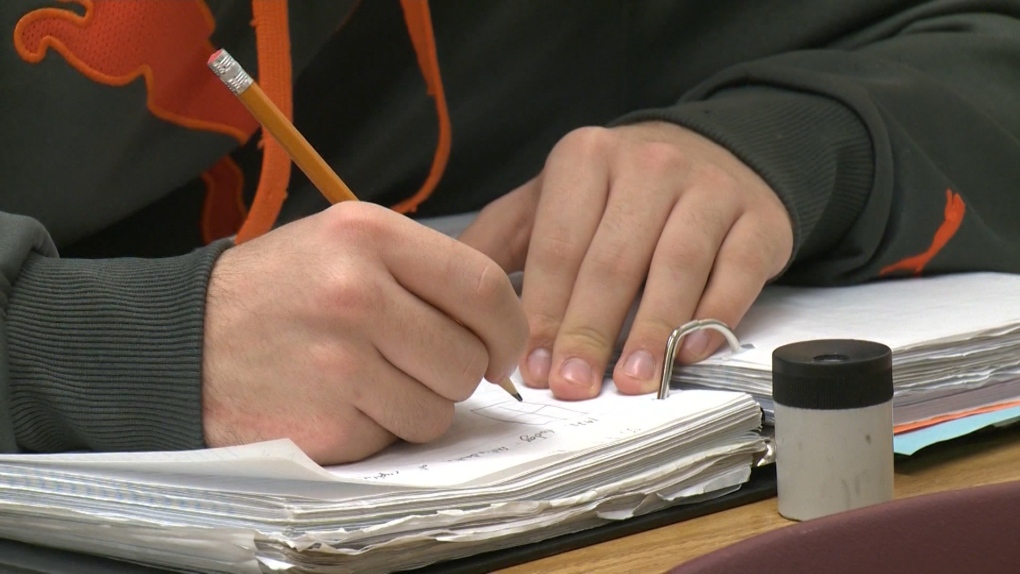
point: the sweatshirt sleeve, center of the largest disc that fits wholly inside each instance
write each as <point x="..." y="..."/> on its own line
<point x="896" y="152"/>
<point x="99" y="354"/>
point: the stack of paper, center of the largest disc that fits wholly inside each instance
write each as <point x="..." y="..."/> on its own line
<point x="506" y="474"/>
<point x="955" y="340"/>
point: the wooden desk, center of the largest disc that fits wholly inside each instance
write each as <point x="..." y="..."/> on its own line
<point x="981" y="459"/>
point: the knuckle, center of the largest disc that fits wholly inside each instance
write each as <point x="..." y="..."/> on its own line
<point x="322" y="357"/>
<point x="660" y="158"/>
<point x="613" y="264"/>
<point x="471" y="373"/>
<point x="353" y="222"/>
<point x="492" y="282"/>
<point x="344" y="430"/>
<point x="695" y="253"/>
<point x="339" y="368"/>
<point x="752" y="257"/>
<point x="430" y="422"/>
<point x="651" y="331"/>
<point x="555" y="248"/>
<point x="586" y="141"/>
<point x="542" y="327"/>
<point x="355" y="299"/>
<point x="716" y="179"/>
<point x="585" y="339"/>
<point x="774" y="237"/>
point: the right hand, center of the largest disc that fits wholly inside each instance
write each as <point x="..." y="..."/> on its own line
<point x="349" y="329"/>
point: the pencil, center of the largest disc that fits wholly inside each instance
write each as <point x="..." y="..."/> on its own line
<point x="272" y="119"/>
<point x="230" y="72"/>
<point x="509" y="387"/>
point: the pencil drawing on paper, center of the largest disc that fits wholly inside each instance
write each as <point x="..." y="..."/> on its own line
<point x="527" y="414"/>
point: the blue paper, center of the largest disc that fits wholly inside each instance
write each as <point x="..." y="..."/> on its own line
<point x="910" y="442"/>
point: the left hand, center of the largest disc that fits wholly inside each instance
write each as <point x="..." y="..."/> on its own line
<point x="650" y="203"/>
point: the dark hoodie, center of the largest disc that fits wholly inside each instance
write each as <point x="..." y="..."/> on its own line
<point x="889" y="128"/>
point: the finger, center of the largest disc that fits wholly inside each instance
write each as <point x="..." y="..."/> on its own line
<point x="427" y="345"/>
<point x="745" y="262"/>
<point x="400" y="404"/>
<point x="573" y="196"/>
<point x="503" y="228"/>
<point x="360" y="438"/>
<point x="460" y="282"/>
<point x="680" y="267"/>
<point x="341" y="432"/>
<point x="610" y="276"/>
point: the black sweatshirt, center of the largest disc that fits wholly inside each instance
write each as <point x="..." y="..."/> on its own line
<point x="889" y="128"/>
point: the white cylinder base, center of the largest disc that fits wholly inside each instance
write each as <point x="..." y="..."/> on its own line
<point x="829" y="461"/>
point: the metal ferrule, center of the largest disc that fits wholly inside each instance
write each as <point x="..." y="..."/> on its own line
<point x="230" y="72"/>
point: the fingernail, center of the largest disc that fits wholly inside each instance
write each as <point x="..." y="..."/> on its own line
<point x="696" y="345"/>
<point x="639" y="365"/>
<point x="539" y="362"/>
<point x="577" y="372"/>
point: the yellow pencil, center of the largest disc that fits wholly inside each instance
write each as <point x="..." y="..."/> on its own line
<point x="230" y="72"/>
<point x="272" y="119"/>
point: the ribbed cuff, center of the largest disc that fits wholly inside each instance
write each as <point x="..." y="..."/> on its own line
<point x="106" y="355"/>
<point x="814" y="152"/>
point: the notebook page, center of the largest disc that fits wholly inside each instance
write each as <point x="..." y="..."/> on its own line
<point x="279" y="459"/>
<point x="899" y="313"/>
<point x="492" y="433"/>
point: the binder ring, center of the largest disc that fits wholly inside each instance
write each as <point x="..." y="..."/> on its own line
<point x="674" y="341"/>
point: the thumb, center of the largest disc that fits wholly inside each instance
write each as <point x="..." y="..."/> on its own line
<point x="502" y="229"/>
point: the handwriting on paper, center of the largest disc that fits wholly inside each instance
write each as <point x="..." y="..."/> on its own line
<point x="542" y="434"/>
<point x="492" y="435"/>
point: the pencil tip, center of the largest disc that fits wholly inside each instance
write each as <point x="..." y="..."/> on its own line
<point x="519" y="398"/>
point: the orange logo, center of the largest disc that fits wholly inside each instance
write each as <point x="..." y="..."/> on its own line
<point x="953" y="217"/>
<point x="167" y="43"/>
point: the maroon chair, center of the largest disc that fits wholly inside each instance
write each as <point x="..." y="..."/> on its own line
<point x="973" y="530"/>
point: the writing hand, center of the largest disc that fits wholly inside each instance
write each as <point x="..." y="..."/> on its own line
<point x="349" y="329"/>
<point x="652" y="204"/>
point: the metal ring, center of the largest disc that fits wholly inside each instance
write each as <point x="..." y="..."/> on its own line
<point x="674" y="341"/>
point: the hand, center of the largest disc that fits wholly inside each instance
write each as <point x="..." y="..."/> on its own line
<point x="652" y="204"/>
<point x="349" y="329"/>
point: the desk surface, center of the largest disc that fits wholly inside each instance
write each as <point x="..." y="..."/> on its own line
<point x="981" y="459"/>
